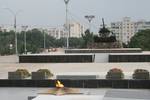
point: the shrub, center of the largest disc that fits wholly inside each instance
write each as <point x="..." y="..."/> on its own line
<point x="23" y="72"/>
<point x="115" y="73"/>
<point x="140" y="74"/>
<point x="46" y="71"/>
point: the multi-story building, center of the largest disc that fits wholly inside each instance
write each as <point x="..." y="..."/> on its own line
<point x="142" y="25"/>
<point x="56" y="32"/>
<point x="126" y="28"/>
<point x="116" y="29"/>
<point x="6" y="28"/>
<point x="75" y="30"/>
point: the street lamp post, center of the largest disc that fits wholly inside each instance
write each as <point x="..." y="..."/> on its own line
<point x="25" y="39"/>
<point x="15" y="26"/>
<point x="89" y="18"/>
<point x="44" y="37"/>
<point x="44" y="40"/>
<point x="66" y="26"/>
<point x="16" y="41"/>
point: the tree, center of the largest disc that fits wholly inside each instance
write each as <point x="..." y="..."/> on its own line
<point x="7" y="39"/>
<point x="141" y="40"/>
<point x="75" y="42"/>
<point x="61" y="42"/>
<point x="87" y="37"/>
<point x="35" y="40"/>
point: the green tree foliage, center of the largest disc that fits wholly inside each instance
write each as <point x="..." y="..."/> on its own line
<point x="34" y="42"/>
<point x="6" y="39"/>
<point x="73" y="42"/>
<point x="61" y="42"/>
<point x="76" y="42"/>
<point x="141" y="40"/>
<point x="87" y="37"/>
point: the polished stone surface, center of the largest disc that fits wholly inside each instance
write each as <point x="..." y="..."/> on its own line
<point x="69" y="97"/>
<point x="128" y="94"/>
<point x="88" y="94"/>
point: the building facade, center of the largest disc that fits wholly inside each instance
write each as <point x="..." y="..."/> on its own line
<point x="142" y="25"/>
<point x="56" y="32"/>
<point x="127" y="28"/>
<point x="75" y="30"/>
<point x="6" y="28"/>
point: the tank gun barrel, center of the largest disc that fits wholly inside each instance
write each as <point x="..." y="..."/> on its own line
<point x="103" y="22"/>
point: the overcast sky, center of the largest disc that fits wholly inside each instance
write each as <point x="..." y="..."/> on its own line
<point x="52" y="12"/>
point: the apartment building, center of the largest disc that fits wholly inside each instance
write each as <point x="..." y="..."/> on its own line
<point x="56" y="32"/>
<point x="75" y="30"/>
<point x="142" y="25"/>
<point x="127" y="28"/>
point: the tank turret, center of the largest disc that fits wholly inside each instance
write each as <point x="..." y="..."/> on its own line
<point x="105" y="35"/>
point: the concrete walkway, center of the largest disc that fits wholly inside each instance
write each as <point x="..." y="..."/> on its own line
<point x="9" y="63"/>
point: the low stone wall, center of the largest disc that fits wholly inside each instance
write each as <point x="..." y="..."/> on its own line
<point x="129" y="58"/>
<point x="77" y="77"/>
<point x="14" y="76"/>
<point x="55" y="58"/>
<point x="111" y="50"/>
<point x="102" y="45"/>
<point x="39" y="76"/>
<point x="126" y="84"/>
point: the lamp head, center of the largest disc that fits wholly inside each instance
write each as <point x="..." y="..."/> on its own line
<point x="66" y="1"/>
<point x="89" y="17"/>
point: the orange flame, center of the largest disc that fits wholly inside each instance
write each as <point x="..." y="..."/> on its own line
<point x="59" y="84"/>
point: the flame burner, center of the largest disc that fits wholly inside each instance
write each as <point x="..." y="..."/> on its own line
<point x="59" y="84"/>
<point x="61" y="90"/>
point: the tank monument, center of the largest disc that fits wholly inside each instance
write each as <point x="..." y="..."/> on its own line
<point x="110" y="49"/>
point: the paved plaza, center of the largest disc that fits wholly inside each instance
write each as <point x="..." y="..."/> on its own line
<point x="9" y="63"/>
<point x="88" y="94"/>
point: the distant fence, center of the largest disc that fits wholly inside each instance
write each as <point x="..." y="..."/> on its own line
<point x="126" y="84"/>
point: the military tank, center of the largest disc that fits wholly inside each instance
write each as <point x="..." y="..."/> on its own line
<point x="105" y="39"/>
<point x="105" y="35"/>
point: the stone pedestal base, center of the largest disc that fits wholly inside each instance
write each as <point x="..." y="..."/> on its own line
<point x="105" y="45"/>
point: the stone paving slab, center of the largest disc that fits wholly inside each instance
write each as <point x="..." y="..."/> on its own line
<point x="23" y="93"/>
<point x="128" y="94"/>
<point x="69" y="97"/>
